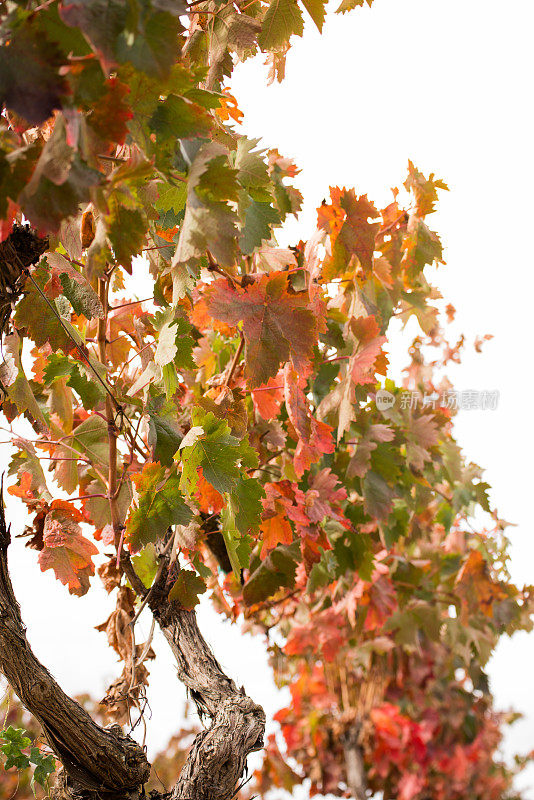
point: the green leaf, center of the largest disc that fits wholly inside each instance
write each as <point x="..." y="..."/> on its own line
<point x="316" y="10"/>
<point x="179" y="118"/>
<point x="245" y="501"/>
<point x="15" y="740"/>
<point x="275" y="572"/>
<point x="231" y="537"/>
<point x="250" y="164"/>
<point x="218" y="183"/>
<point x="172" y="197"/>
<point x="146" y="564"/>
<point x="207" y="225"/>
<point x="282" y="20"/>
<point x="44" y="766"/>
<point x="127" y="229"/>
<point x="210" y="445"/>
<point x="378" y="495"/>
<point x="241" y="515"/>
<point x="164" y="434"/>
<point x="175" y="343"/>
<point x="75" y="286"/>
<point x="90" y="390"/>
<point x="322" y="573"/>
<point x="81" y="295"/>
<point x="90" y="438"/>
<point x="259" y="218"/>
<point x="397" y="524"/>
<point x="15" y="383"/>
<point x="160" y="505"/>
<point x="187" y="588"/>
<point x="34" y="316"/>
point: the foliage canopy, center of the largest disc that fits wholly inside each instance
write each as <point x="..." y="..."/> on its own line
<point x="242" y="418"/>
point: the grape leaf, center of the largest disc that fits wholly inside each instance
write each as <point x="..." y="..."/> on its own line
<point x="355" y="236"/>
<point x="14" y="381"/>
<point x="30" y="83"/>
<point x="45" y="765"/>
<point x="259" y="217"/>
<point x="314" y="436"/>
<point x="316" y="10"/>
<point x="245" y="501"/>
<point x="65" y="550"/>
<point x="160" y="504"/>
<point x="275" y="572"/>
<point x="35" y="317"/>
<point x="275" y="530"/>
<point x="213" y="448"/>
<point x="14" y="742"/>
<point x="187" y="588"/>
<point x="277" y="325"/>
<point x="378" y="495"/>
<point x="208" y="224"/>
<point x="164" y="434"/>
<point x="76" y="288"/>
<point x="105" y="24"/>
<point x="282" y="20"/>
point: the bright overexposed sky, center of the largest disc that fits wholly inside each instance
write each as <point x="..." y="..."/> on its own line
<point x="446" y="83"/>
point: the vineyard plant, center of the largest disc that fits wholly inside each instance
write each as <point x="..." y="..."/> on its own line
<point x="191" y="410"/>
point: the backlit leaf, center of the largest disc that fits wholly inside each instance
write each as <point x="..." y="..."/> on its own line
<point x="160" y="504"/>
<point x="277" y="325"/>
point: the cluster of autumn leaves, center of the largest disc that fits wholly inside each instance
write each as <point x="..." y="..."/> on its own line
<point x="237" y="404"/>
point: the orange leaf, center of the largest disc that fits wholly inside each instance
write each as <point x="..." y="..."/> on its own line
<point x="275" y="530"/>
<point x="210" y="501"/>
<point x="24" y="488"/>
<point x="65" y="550"/>
<point x="277" y="325"/>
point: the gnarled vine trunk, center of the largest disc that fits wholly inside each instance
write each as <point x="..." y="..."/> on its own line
<point x="104" y="762"/>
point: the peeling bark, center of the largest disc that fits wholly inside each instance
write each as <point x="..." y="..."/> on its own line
<point x="98" y="760"/>
<point x="218" y="756"/>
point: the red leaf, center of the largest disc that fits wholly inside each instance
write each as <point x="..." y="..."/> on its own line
<point x="267" y="399"/>
<point x="65" y="550"/>
<point x="315" y="437"/>
<point x="277" y="325"/>
<point x="351" y="234"/>
<point x="111" y="113"/>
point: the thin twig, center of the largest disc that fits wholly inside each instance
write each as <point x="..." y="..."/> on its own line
<point x="214" y="267"/>
<point x="132" y="303"/>
<point x="146" y="648"/>
<point x="235" y="360"/>
<point x="76" y="344"/>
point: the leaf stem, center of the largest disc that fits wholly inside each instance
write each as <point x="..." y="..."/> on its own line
<point x="214" y="267"/>
<point x="235" y="360"/>
<point x="110" y="418"/>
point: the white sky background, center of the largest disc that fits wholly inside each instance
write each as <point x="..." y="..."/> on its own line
<point x="447" y="83"/>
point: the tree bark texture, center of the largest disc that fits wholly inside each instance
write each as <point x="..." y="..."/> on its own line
<point x="355" y="767"/>
<point x="218" y="756"/>
<point x="104" y="762"/>
<point x="95" y="758"/>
